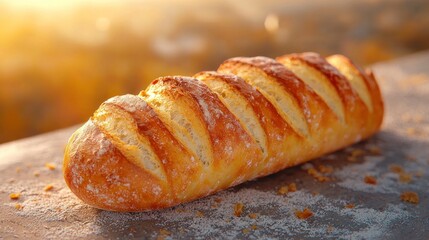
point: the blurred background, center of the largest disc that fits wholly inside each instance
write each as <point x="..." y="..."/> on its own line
<point x="59" y="60"/>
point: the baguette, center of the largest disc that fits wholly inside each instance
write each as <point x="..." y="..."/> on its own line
<point x="187" y="137"/>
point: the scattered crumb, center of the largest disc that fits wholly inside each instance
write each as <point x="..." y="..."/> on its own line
<point x="370" y="180"/>
<point x="50" y="166"/>
<point x="18" y="206"/>
<point x="396" y="168"/>
<point x="253" y="215"/>
<point x="374" y="150"/>
<point x="199" y="214"/>
<point x="411" y="197"/>
<point x="292" y="187"/>
<point x="15" y="196"/>
<point x="405" y="177"/>
<point x="350" y="205"/>
<point x="325" y="169"/>
<point x="11" y="180"/>
<point x="238" y="209"/>
<point x="247" y="230"/>
<point x="180" y="210"/>
<point x="18" y="169"/>
<point x="355" y="154"/>
<point x="329" y="229"/>
<point x="283" y="190"/>
<point x="163" y="233"/>
<point x="36" y="174"/>
<point x="304" y="214"/>
<point x="317" y="175"/>
<point x="48" y="187"/>
<point x="216" y="203"/>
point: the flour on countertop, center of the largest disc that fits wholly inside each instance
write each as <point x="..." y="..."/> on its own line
<point x="63" y="207"/>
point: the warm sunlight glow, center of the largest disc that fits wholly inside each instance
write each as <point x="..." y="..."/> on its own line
<point x="271" y="23"/>
<point x="102" y="24"/>
<point x="59" y="59"/>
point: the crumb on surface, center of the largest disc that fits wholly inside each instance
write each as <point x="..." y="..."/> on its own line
<point x="253" y="215"/>
<point x="199" y="214"/>
<point x="216" y="202"/>
<point x="292" y="187"/>
<point x="238" y="209"/>
<point x="48" y="187"/>
<point x="325" y="169"/>
<point x="14" y="196"/>
<point x="351" y="159"/>
<point x="36" y="174"/>
<point x="357" y="153"/>
<point x="374" y="150"/>
<point x="180" y="210"/>
<point x="163" y="233"/>
<point x="317" y="175"/>
<point x="405" y="177"/>
<point x="411" y="197"/>
<point x="50" y="166"/>
<point x="18" y="206"/>
<point x="350" y="205"/>
<point x="304" y="214"/>
<point x="370" y="180"/>
<point x="283" y="190"/>
<point x="396" y="168"/>
<point x="247" y="230"/>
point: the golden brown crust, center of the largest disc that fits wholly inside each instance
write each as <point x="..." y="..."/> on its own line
<point x="350" y="101"/>
<point x="184" y="138"/>
<point x="277" y="131"/>
<point x="172" y="153"/>
<point x="100" y="175"/>
<point x="230" y="142"/>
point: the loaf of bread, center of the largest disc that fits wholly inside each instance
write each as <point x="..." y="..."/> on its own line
<point x="187" y="137"/>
